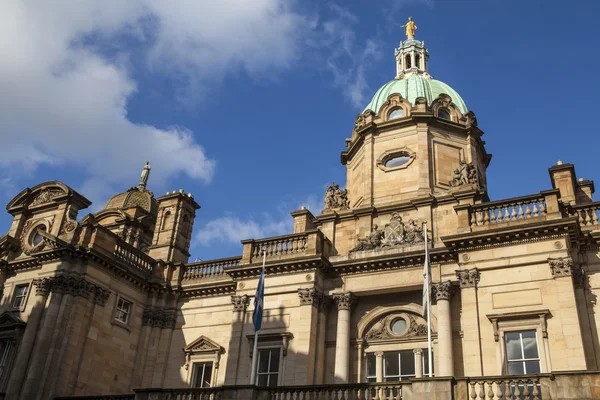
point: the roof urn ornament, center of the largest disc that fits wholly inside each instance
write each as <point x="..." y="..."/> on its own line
<point x="411" y="27"/>
<point x="145" y="175"/>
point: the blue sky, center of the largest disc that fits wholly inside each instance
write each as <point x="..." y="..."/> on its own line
<point x="247" y="103"/>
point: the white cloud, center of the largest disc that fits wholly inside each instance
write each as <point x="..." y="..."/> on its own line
<point x="63" y="97"/>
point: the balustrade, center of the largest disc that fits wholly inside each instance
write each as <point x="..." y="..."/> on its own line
<point x="280" y="246"/>
<point x="133" y="256"/>
<point x="210" y="269"/>
<point x="383" y="391"/>
<point x="517" y="209"/>
<point x="588" y="214"/>
<point x="526" y="388"/>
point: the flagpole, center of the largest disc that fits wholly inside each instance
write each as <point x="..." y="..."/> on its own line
<point x="255" y="347"/>
<point x="429" y="353"/>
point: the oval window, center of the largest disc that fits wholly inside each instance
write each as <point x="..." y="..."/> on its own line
<point x="397" y="113"/>
<point x="399" y="326"/>
<point x="444" y="114"/>
<point x="397" y="161"/>
<point x="36" y="238"/>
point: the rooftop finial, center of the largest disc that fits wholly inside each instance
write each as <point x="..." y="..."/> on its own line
<point x="411" y="27"/>
<point x="145" y="174"/>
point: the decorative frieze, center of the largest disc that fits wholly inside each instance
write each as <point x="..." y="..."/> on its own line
<point x="240" y="303"/>
<point x="443" y="290"/>
<point x="310" y="296"/>
<point x="344" y="301"/>
<point x="73" y="286"/>
<point x="395" y="233"/>
<point x="562" y="266"/>
<point x="468" y="277"/>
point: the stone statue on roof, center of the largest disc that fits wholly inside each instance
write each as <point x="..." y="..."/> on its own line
<point x="145" y="175"/>
<point x="411" y="27"/>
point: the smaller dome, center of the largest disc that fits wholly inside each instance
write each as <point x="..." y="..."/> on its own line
<point x="134" y="197"/>
<point x="412" y="87"/>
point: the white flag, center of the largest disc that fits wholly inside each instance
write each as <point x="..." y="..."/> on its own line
<point x="426" y="276"/>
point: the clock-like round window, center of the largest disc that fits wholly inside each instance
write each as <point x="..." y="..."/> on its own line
<point x="398" y="326"/>
<point x="36" y="238"/>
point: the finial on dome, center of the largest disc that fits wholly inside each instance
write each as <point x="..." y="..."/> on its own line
<point x="411" y="27"/>
<point x="145" y="175"/>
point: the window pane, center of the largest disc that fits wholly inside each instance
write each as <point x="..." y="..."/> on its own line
<point x="390" y="362"/>
<point x="532" y="367"/>
<point x="407" y="362"/>
<point x="371" y="365"/>
<point x="397" y="113"/>
<point x="530" y="344"/>
<point x="372" y="380"/>
<point x="399" y="326"/>
<point x="263" y="380"/>
<point x="397" y="161"/>
<point x="444" y="114"/>
<point x="274" y="367"/>
<point x="207" y="375"/>
<point x="513" y="346"/>
<point x="515" y="368"/>
<point x="263" y="361"/>
<point x="426" y="363"/>
<point x="272" y="380"/>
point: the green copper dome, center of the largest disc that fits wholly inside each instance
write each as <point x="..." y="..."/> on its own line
<point x="412" y="87"/>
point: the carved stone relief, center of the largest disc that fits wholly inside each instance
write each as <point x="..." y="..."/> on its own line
<point x="395" y="233"/>
<point x="240" y="302"/>
<point x="382" y="329"/>
<point x="70" y="285"/>
<point x="344" y="301"/>
<point x="464" y="174"/>
<point x="468" y="277"/>
<point x="562" y="266"/>
<point x="310" y="296"/>
<point x="159" y="318"/>
<point x="443" y="290"/>
<point x="45" y="196"/>
<point x="336" y="197"/>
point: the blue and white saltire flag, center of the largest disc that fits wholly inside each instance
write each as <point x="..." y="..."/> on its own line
<point x="259" y="300"/>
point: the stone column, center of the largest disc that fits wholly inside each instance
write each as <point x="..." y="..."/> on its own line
<point x="379" y="366"/>
<point x="240" y="303"/>
<point x="471" y="343"/>
<point x="310" y="302"/>
<point x="418" y="363"/>
<point x="443" y="293"/>
<point x="42" y="289"/>
<point x="342" y="344"/>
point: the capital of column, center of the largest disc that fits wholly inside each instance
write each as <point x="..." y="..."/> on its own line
<point x="562" y="266"/>
<point x="240" y="302"/>
<point x="344" y="301"/>
<point x="443" y="290"/>
<point x="310" y="297"/>
<point x="468" y="277"/>
<point x="418" y="351"/>
<point x="379" y="354"/>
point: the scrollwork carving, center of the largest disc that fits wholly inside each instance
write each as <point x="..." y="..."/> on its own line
<point x="468" y="277"/>
<point x="443" y="290"/>
<point x="310" y="296"/>
<point x="344" y="301"/>
<point x="45" y="196"/>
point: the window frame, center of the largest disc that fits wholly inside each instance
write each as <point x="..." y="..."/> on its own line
<point x="424" y="360"/>
<point x="389" y="113"/>
<point x="446" y="110"/>
<point x="269" y="373"/>
<point x="523" y="360"/>
<point x="116" y="310"/>
<point x="195" y="366"/>
<point x="13" y="297"/>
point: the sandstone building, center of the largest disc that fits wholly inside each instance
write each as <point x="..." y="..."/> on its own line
<point x="105" y="303"/>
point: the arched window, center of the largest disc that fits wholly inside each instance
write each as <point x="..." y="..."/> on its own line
<point x="35" y="237"/>
<point x="418" y="61"/>
<point x="443" y="113"/>
<point x="408" y="63"/>
<point x="396" y="113"/>
<point x="166" y="220"/>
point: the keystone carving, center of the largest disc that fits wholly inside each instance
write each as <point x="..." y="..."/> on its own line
<point x="395" y="233"/>
<point x="344" y="301"/>
<point x="310" y="296"/>
<point x="443" y="290"/>
<point x="239" y="302"/>
<point x="336" y="197"/>
<point x="468" y="278"/>
<point x="562" y="266"/>
<point x="464" y="174"/>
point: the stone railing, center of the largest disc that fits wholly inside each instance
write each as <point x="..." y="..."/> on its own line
<point x="379" y="391"/>
<point x="133" y="257"/>
<point x="182" y="394"/>
<point x="589" y="214"/>
<point x="525" y="387"/>
<point x="307" y="243"/>
<point x="509" y="210"/>
<point x="106" y="397"/>
<point x="210" y="269"/>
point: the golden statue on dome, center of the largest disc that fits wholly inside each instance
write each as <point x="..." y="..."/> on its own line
<point x="411" y="27"/>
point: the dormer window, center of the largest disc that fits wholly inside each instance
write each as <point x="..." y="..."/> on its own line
<point x="443" y="113"/>
<point x="36" y="238"/>
<point x="396" y="113"/>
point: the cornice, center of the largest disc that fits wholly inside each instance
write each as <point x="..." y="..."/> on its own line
<point x="514" y="234"/>
<point x="210" y="289"/>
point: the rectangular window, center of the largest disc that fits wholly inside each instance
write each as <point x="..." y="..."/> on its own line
<point x="123" y="310"/>
<point x="268" y="367"/>
<point x="5" y="346"/>
<point x="397" y="365"/>
<point x="202" y="374"/>
<point x="522" y="354"/>
<point x="20" y="295"/>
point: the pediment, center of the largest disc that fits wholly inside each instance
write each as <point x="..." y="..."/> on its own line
<point x="9" y="321"/>
<point x="203" y="345"/>
<point x="44" y="194"/>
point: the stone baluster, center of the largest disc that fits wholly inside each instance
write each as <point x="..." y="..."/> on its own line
<point x="344" y="303"/>
<point x="443" y="293"/>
